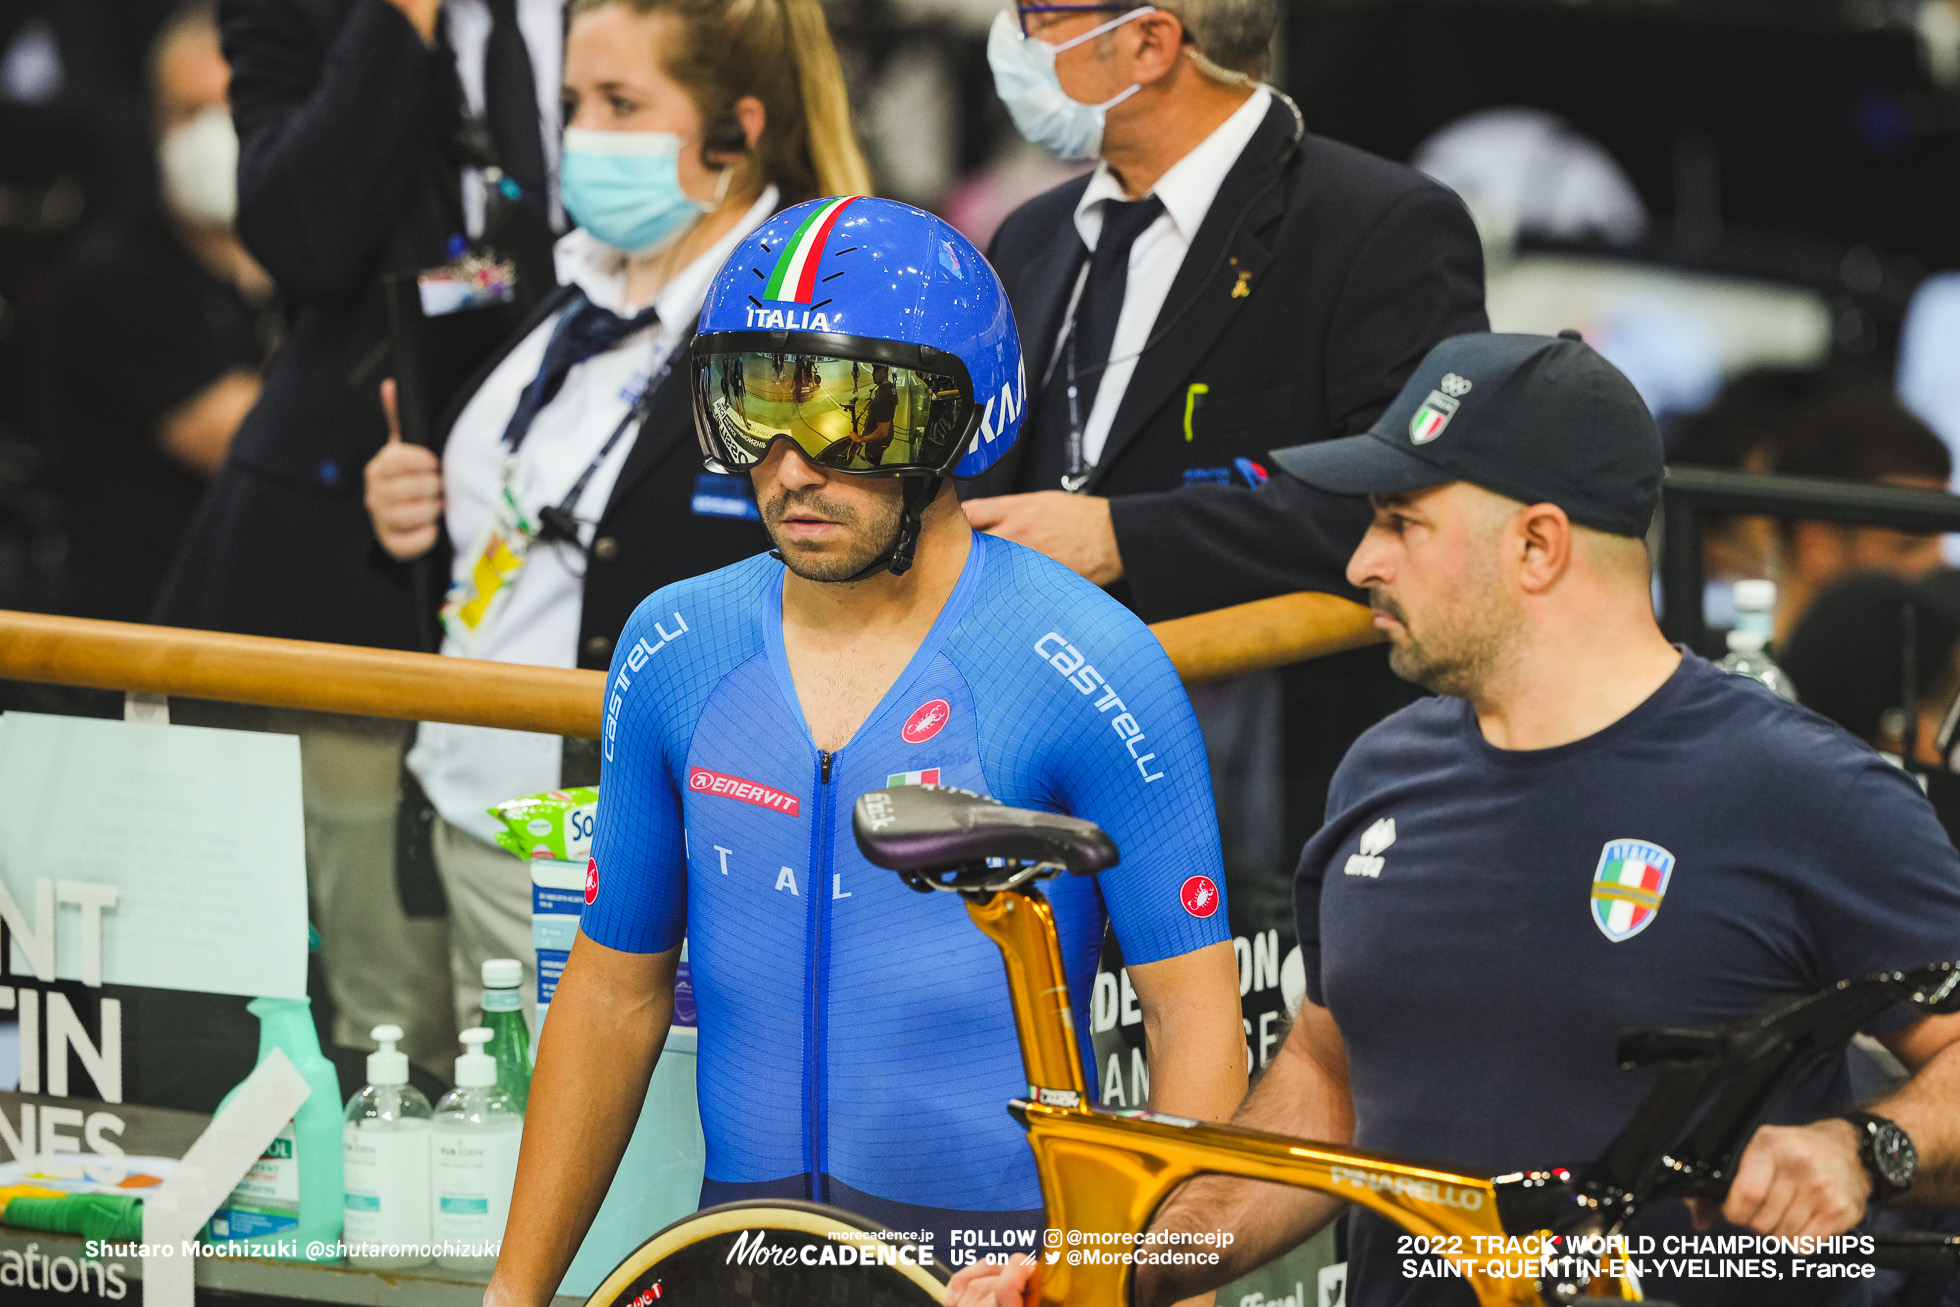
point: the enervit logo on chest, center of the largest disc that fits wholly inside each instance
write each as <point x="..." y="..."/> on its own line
<point x="702" y="781"/>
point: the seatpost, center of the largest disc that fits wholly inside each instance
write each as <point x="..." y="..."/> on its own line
<point x="1021" y="923"/>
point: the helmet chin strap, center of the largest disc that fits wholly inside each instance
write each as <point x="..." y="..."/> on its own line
<point x="917" y="493"/>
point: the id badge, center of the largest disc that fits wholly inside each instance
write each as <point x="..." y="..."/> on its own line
<point x="474" y="602"/>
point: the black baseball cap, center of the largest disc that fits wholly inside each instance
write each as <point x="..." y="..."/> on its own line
<point x="1542" y="419"/>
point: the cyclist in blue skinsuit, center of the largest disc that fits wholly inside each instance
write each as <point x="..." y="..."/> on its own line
<point x="857" y="1046"/>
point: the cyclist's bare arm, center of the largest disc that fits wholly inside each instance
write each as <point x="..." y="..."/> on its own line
<point x="609" y="1018"/>
<point x="1193" y="1032"/>
<point x="1807" y="1180"/>
<point x="1303" y="1093"/>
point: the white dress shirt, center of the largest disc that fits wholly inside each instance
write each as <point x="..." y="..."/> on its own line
<point x="463" y="769"/>
<point x="542" y="23"/>
<point x="1187" y="189"/>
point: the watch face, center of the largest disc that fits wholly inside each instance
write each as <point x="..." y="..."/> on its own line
<point x="1893" y="1155"/>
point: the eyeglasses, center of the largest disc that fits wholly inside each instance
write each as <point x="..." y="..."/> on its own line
<point x="1024" y="10"/>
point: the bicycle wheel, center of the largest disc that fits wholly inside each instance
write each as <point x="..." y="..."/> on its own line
<point x="754" y="1255"/>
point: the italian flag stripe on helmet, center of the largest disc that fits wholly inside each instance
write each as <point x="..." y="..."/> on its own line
<point x="795" y="277"/>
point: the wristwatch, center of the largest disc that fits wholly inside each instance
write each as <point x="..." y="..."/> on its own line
<point x="1887" y="1152"/>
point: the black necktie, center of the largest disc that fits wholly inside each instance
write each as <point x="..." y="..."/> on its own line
<point x="583" y="331"/>
<point x="1087" y="349"/>
<point x="510" y="105"/>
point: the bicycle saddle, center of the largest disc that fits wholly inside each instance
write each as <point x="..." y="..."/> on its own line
<point x="929" y="827"/>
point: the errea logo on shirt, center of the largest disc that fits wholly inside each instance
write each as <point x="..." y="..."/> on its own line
<point x="1368" y="862"/>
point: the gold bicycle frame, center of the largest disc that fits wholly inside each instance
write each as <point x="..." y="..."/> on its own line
<point x="1106" y="1173"/>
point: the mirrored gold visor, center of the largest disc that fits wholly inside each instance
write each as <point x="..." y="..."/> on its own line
<point x="844" y="414"/>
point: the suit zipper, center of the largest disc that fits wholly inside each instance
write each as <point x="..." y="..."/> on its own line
<point x="816" y="977"/>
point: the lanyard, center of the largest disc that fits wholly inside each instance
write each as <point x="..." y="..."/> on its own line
<point x="559" y="522"/>
<point x="1078" y="472"/>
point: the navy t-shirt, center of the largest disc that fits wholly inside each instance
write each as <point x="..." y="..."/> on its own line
<point x="1483" y="923"/>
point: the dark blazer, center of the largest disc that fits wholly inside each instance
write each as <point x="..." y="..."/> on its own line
<point x="349" y="167"/>
<point x="649" y="533"/>
<point x="1318" y="280"/>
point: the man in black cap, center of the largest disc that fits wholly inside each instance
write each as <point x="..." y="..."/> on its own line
<point x="1586" y="831"/>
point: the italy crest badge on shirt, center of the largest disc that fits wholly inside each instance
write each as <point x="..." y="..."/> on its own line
<point x="1628" y="886"/>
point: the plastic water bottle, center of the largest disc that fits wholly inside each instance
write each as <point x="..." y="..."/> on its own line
<point x="477" y="1132"/>
<point x="385" y="1135"/>
<point x="510" y="1038"/>
<point x="1755" y="613"/>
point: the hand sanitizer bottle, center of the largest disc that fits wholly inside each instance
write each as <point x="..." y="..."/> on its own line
<point x="477" y="1131"/>
<point x="385" y="1147"/>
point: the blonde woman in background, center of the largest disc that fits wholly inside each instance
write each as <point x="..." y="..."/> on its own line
<point x="570" y="485"/>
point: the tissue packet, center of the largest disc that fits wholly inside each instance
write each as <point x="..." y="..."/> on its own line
<point x="555" y="825"/>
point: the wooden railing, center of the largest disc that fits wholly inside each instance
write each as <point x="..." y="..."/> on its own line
<point x="423" y="687"/>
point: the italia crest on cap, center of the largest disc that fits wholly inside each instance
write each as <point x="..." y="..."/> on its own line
<point x="1628" y="886"/>
<point x="1436" y="411"/>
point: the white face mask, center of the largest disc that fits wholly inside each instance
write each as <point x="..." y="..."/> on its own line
<point x="1025" y="79"/>
<point x="199" y="161"/>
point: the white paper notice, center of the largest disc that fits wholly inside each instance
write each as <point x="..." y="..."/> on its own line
<point x="199" y="831"/>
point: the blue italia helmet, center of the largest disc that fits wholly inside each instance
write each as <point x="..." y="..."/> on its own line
<point x="868" y="332"/>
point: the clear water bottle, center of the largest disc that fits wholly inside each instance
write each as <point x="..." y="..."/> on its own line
<point x="1755" y="616"/>
<point x="510" y="1038"/>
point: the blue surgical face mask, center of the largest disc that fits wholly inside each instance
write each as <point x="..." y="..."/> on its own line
<point x="625" y="187"/>
<point x="1025" y="79"/>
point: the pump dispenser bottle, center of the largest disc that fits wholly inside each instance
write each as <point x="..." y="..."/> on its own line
<point x="385" y="1139"/>
<point x="477" y="1132"/>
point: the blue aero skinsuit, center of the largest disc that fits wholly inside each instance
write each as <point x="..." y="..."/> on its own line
<point x="856" y="1041"/>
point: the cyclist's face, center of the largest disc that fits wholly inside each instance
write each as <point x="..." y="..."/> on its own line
<point x="826" y="526"/>
<point x="1430" y="565"/>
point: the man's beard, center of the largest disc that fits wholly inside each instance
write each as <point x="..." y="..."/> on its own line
<point x="1456" y="660"/>
<point x="868" y="538"/>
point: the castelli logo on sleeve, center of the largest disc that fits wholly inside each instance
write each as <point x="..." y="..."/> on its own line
<point x="1199" y="896"/>
<point x="925" y="721"/>
<point x="591" y="879"/>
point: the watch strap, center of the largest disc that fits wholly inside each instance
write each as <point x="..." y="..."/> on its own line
<point x="1868" y="1125"/>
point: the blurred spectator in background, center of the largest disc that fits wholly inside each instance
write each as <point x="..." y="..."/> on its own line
<point x="1808" y="423"/>
<point x="375" y="137"/>
<point x="152" y="350"/>
<point x="1847" y="658"/>
<point x="750" y="95"/>
<point x="1862" y="434"/>
<point x="365" y="128"/>
<point x="1739" y="433"/>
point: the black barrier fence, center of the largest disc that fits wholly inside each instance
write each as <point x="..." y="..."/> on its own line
<point x="1690" y="495"/>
